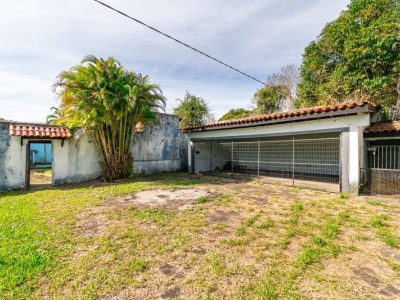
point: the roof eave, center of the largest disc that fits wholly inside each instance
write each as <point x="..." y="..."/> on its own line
<point x="322" y="115"/>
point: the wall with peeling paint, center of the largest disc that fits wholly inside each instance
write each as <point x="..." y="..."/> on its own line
<point x="158" y="148"/>
<point x="12" y="159"/>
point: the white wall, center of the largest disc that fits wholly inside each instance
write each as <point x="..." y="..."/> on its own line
<point x="75" y="162"/>
<point x="12" y="173"/>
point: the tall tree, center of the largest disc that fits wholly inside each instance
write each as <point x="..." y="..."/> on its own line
<point x="55" y="117"/>
<point x="235" y="114"/>
<point x="279" y="92"/>
<point x="192" y="110"/>
<point x="357" y="55"/>
<point x="269" y="98"/>
<point x="101" y="97"/>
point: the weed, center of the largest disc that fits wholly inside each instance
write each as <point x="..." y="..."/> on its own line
<point x="138" y="265"/>
<point x="241" y="230"/>
<point x="297" y="207"/>
<point x="344" y="215"/>
<point x="296" y="189"/>
<point x="343" y="195"/>
<point x="388" y="237"/>
<point x="377" y="203"/>
<point x="331" y="229"/>
<point x="202" y="199"/>
<point x="378" y="221"/>
<point x="250" y="221"/>
<point x="155" y="214"/>
<point x="383" y="230"/>
<point x="268" y="223"/>
<point x="395" y="267"/>
<point x="318" y="241"/>
<point x="266" y="290"/>
<point x="307" y="257"/>
<point x="216" y="263"/>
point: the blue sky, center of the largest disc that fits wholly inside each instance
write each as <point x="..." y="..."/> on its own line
<point x="40" y="38"/>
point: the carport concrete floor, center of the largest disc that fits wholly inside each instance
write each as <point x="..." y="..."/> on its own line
<point x="189" y="237"/>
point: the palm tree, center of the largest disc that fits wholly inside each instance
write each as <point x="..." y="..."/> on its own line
<point x="101" y="97"/>
<point x="55" y="117"/>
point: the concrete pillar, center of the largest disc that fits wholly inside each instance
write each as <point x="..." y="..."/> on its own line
<point x="344" y="161"/>
<point x="190" y="156"/>
<point x="355" y="157"/>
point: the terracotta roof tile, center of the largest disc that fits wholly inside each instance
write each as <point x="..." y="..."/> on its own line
<point x="41" y="131"/>
<point x="384" y="127"/>
<point x="319" y="110"/>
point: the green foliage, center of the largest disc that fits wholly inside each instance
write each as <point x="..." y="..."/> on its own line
<point x="235" y="114"/>
<point x="56" y="116"/>
<point x="269" y="98"/>
<point x="192" y="110"/>
<point x="355" y="56"/>
<point x="102" y="97"/>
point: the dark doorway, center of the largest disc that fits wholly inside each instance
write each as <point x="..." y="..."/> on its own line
<point x="39" y="164"/>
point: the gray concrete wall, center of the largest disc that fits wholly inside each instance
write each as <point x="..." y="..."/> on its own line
<point x="12" y="160"/>
<point x="158" y="148"/>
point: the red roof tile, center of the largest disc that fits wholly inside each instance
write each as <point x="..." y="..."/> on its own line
<point x="41" y="131"/>
<point x="319" y="111"/>
<point x="384" y="127"/>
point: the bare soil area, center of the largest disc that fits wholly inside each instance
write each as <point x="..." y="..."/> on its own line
<point x="210" y="238"/>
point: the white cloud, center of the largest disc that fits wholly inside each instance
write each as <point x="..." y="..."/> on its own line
<point x="40" y="38"/>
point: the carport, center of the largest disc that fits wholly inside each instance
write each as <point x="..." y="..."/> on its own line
<point x="293" y="159"/>
<point x="316" y="147"/>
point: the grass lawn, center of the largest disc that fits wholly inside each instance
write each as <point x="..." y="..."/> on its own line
<point x="219" y="238"/>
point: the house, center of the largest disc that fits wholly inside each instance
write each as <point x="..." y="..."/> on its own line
<point x="155" y="149"/>
<point x="342" y="147"/>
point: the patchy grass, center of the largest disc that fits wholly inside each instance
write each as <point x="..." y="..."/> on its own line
<point x="72" y="242"/>
<point x="383" y="230"/>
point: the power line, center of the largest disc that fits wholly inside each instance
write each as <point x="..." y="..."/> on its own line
<point x="180" y="42"/>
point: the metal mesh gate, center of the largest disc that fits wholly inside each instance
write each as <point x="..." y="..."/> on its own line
<point x="382" y="176"/>
<point x="292" y="159"/>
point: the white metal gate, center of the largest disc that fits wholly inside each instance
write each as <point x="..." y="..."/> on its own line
<point x="382" y="176"/>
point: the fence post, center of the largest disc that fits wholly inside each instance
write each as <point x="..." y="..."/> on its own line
<point x="258" y="161"/>
<point x="293" y="163"/>
<point x="211" y="157"/>
<point x="232" y="160"/>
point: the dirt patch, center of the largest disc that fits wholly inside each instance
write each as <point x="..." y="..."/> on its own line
<point x="223" y="216"/>
<point x="95" y="225"/>
<point x="96" y="222"/>
<point x="167" y="270"/>
<point x="38" y="177"/>
<point x="171" y="293"/>
<point x="178" y="199"/>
